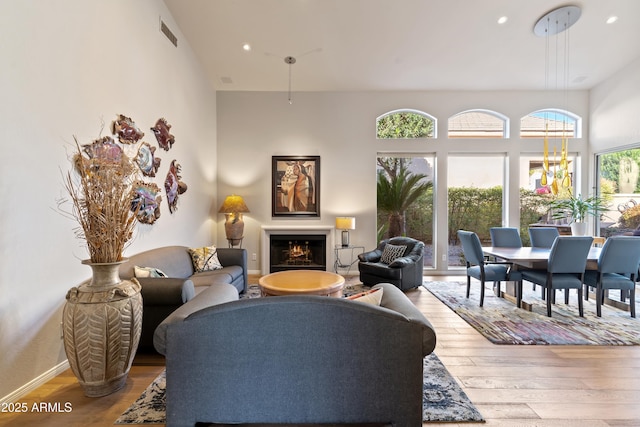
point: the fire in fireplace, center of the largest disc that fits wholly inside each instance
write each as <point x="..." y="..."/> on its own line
<point x="289" y="252"/>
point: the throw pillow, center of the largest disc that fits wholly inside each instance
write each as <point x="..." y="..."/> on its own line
<point x="147" y="272"/>
<point x="373" y="296"/>
<point x="205" y="258"/>
<point x="391" y="252"/>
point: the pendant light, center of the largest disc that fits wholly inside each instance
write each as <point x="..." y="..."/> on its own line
<point x="551" y="24"/>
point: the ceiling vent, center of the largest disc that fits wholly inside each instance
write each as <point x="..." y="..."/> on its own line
<point x="167" y="32"/>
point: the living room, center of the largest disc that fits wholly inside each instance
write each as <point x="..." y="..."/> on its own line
<point x="70" y="67"/>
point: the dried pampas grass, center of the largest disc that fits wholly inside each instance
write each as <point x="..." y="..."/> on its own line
<point x="100" y="188"/>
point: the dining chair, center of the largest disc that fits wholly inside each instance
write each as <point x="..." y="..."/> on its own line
<point x="617" y="269"/>
<point x="565" y="269"/>
<point x="509" y="237"/>
<point x="481" y="269"/>
<point x="505" y="237"/>
<point x="542" y="237"/>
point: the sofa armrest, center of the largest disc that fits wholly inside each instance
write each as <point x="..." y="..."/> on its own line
<point x="213" y="295"/>
<point x="371" y="256"/>
<point x="232" y="256"/>
<point x="401" y="262"/>
<point x="235" y="256"/>
<point x="166" y="291"/>
<point x="394" y="299"/>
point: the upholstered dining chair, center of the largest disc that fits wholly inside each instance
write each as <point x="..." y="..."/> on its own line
<point x="542" y="237"/>
<point x="617" y="269"/>
<point x="565" y="269"/>
<point x="479" y="268"/>
<point x="505" y="237"/>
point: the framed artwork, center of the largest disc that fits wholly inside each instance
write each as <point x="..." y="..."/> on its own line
<point x="295" y="186"/>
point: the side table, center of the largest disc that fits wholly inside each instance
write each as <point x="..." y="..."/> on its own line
<point x="346" y="256"/>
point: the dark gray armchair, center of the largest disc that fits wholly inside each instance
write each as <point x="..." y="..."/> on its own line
<point x="403" y="271"/>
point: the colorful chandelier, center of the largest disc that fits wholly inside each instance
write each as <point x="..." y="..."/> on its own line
<point x="555" y="22"/>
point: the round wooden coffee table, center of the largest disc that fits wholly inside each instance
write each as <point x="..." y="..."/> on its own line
<point x="302" y="282"/>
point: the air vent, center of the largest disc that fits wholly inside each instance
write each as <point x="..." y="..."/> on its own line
<point x="167" y="32"/>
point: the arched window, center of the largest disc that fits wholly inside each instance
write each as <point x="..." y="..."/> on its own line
<point x="553" y="122"/>
<point x="405" y="124"/>
<point x="479" y="124"/>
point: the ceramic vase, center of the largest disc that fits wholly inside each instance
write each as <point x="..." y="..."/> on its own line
<point x="102" y="320"/>
<point x="578" y="228"/>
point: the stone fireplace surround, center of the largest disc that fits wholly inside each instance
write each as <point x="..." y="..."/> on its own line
<point x="268" y="230"/>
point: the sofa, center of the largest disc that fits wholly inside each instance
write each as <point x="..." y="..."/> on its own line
<point x="162" y="296"/>
<point x="404" y="271"/>
<point x="296" y="360"/>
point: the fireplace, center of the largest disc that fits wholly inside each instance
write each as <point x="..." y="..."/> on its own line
<point x="296" y="247"/>
<point x="297" y="251"/>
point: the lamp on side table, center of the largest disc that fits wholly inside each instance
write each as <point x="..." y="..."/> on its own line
<point x="233" y="207"/>
<point x="345" y="223"/>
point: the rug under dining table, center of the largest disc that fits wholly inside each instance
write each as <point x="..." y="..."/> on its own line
<point x="501" y="322"/>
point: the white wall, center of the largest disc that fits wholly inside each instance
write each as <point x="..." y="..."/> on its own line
<point x="65" y="65"/>
<point x="615" y="110"/>
<point x="340" y="128"/>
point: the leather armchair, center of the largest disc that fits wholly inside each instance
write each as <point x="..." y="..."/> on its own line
<point x="405" y="272"/>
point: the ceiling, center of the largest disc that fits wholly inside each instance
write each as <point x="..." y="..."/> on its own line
<point x="403" y="45"/>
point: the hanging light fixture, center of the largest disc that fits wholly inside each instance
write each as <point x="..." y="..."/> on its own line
<point x="553" y="23"/>
<point x="290" y="60"/>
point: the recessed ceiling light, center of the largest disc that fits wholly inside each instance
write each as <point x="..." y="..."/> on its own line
<point x="246" y="47"/>
<point x="502" y="20"/>
<point x="612" y="19"/>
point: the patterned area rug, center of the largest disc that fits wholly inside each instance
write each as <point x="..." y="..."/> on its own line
<point x="443" y="399"/>
<point x="502" y="323"/>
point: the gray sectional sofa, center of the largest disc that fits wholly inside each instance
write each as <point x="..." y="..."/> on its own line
<point x="162" y="296"/>
<point x="296" y="360"/>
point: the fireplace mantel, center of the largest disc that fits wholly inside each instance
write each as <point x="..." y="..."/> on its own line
<point x="268" y="230"/>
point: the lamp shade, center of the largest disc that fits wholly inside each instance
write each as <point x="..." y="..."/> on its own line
<point x="345" y="223"/>
<point x="233" y="204"/>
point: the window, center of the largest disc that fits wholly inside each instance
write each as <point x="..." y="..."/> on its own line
<point x="534" y="195"/>
<point x="405" y="124"/>
<point x="559" y="122"/>
<point x="619" y="186"/>
<point x="478" y="124"/>
<point x="405" y="199"/>
<point x="475" y="198"/>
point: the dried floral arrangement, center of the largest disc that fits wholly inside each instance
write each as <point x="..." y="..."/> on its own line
<point x="106" y="193"/>
<point x="100" y="189"/>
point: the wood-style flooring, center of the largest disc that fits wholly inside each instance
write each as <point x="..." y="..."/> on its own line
<point x="585" y="386"/>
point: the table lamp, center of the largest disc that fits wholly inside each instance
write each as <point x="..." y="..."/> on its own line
<point x="345" y="223"/>
<point x="233" y="207"/>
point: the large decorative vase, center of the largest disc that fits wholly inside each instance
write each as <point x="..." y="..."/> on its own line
<point x="102" y="320"/>
<point x="578" y="228"/>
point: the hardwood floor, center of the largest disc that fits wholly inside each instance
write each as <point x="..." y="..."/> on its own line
<point x="585" y="386"/>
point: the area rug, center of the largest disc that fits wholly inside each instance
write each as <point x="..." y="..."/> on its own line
<point x="501" y="322"/>
<point x="443" y="399"/>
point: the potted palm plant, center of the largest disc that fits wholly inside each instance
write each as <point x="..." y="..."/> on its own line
<point x="576" y="210"/>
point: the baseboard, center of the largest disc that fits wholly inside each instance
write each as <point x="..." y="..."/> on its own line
<point x="35" y="383"/>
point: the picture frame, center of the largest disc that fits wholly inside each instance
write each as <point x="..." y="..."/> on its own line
<point x="295" y="186"/>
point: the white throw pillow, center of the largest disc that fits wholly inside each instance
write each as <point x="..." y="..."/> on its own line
<point x="373" y="296"/>
<point x="147" y="272"/>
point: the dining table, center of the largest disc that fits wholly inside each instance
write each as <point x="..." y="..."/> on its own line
<point x="528" y="257"/>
